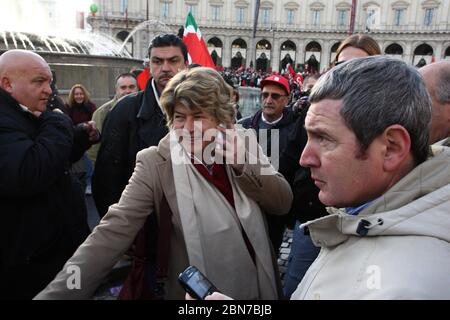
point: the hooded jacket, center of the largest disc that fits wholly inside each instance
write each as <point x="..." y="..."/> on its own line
<point x="396" y="248"/>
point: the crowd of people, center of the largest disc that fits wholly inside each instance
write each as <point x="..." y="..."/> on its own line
<point x="356" y="161"/>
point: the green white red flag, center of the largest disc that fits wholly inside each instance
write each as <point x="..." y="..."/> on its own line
<point x="192" y="38"/>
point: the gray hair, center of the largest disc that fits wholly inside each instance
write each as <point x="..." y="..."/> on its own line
<point x="442" y="90"/>
<point x="378" y="92"/>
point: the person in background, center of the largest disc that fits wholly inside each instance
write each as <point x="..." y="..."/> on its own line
<point x="437" y="80"/>
<point x="369" y="153"/>
<point x="356" y="46"/>
<point x="136" y="122"/>
<point x="80" y="109"/>
<point x="234" y="97"/>
<point x="55" y="101"/>
<point x="273" y="118"/>
<point x="394" y="200"/>
<point x="43" y="211"/>
<point x="125" y="84"/>
<point x="192" y="170"/>
<point x="85" y="134"/>
<point x="79" y="105"/>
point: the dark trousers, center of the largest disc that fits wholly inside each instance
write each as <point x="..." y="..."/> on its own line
<point x="276" y="225"/>
<point x="24" y="281"/>
<point x="302" y="255"/>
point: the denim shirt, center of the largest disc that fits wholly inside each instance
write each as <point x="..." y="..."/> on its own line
<point x="354" y="211"/>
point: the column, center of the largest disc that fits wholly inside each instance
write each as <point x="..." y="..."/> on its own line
<point x="408" y="53"/>
<point x="438" y="51"/>
<point x="275" y="56"/>
<point x="226" y="52"/>
<point x="325" y="55"/>
<point x="301" y="52"/>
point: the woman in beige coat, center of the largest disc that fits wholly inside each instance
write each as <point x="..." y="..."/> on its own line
<point x="216" y="187"/>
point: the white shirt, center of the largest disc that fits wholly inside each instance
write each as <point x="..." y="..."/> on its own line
<point x="273" y="122"/>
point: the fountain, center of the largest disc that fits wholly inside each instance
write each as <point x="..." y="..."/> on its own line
<point x="78" y="57"/>
<point x="151" y="27"/>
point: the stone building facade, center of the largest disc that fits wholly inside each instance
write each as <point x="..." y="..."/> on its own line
<point x="417" y="31"/>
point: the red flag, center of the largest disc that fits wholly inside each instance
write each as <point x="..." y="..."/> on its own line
<point x="291" y="70"/>
<point x="142" y="78"/>
<point x="192" y="38"/>
<point x="296" y="76"/>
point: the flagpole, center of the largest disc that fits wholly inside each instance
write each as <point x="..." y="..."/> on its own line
<point x="352" y="18"/>
<point x="255" y="25"/>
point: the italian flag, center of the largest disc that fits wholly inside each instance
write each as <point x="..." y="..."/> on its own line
<point x="192" y="38"/>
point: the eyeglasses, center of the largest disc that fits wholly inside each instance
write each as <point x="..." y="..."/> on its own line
<point x="275" y="96"/>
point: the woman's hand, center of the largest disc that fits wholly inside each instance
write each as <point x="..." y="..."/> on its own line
<point x="231" y="147"/>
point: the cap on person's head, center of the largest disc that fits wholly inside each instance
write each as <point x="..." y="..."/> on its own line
<point x="278" y="80"/>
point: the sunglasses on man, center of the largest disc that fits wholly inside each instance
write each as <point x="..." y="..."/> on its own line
<point x="275" y="96"/>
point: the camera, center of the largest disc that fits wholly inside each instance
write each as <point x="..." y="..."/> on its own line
<point x="195" y="283"/>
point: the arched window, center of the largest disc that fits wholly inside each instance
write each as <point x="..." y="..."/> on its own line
<point x="333" y="51"/>
<point x="238" y="53"/>
<point x="215" y="47"/>
<point x="447" y="53"/>
<point x="312" y="57"/>
<point x="394" y="49"/>
<point x="263" y="49"/>
<point x="287" y="54"/>
<point x="423" y="55"/>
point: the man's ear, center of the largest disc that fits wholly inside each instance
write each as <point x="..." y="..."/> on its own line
<point x="5" y="84"/>
<point x="398" y="147"/>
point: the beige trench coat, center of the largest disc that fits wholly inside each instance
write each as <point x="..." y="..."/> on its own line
<point x="153" y="177"/>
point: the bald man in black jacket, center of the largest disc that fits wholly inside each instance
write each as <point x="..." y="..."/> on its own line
<point x="43" y="210"/>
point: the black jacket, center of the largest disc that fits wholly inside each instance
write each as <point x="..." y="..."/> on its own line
<point x="135" y="123"/>
<point x="306" y="204"/>
<point x="42" y="205"/>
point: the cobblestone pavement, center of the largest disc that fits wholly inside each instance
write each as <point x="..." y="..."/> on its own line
<point x="285" y="249"/>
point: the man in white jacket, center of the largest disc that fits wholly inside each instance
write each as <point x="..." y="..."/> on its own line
<point x="368" y="151"/>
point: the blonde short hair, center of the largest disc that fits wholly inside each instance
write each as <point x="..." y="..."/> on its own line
<point x="199" y="87"/>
